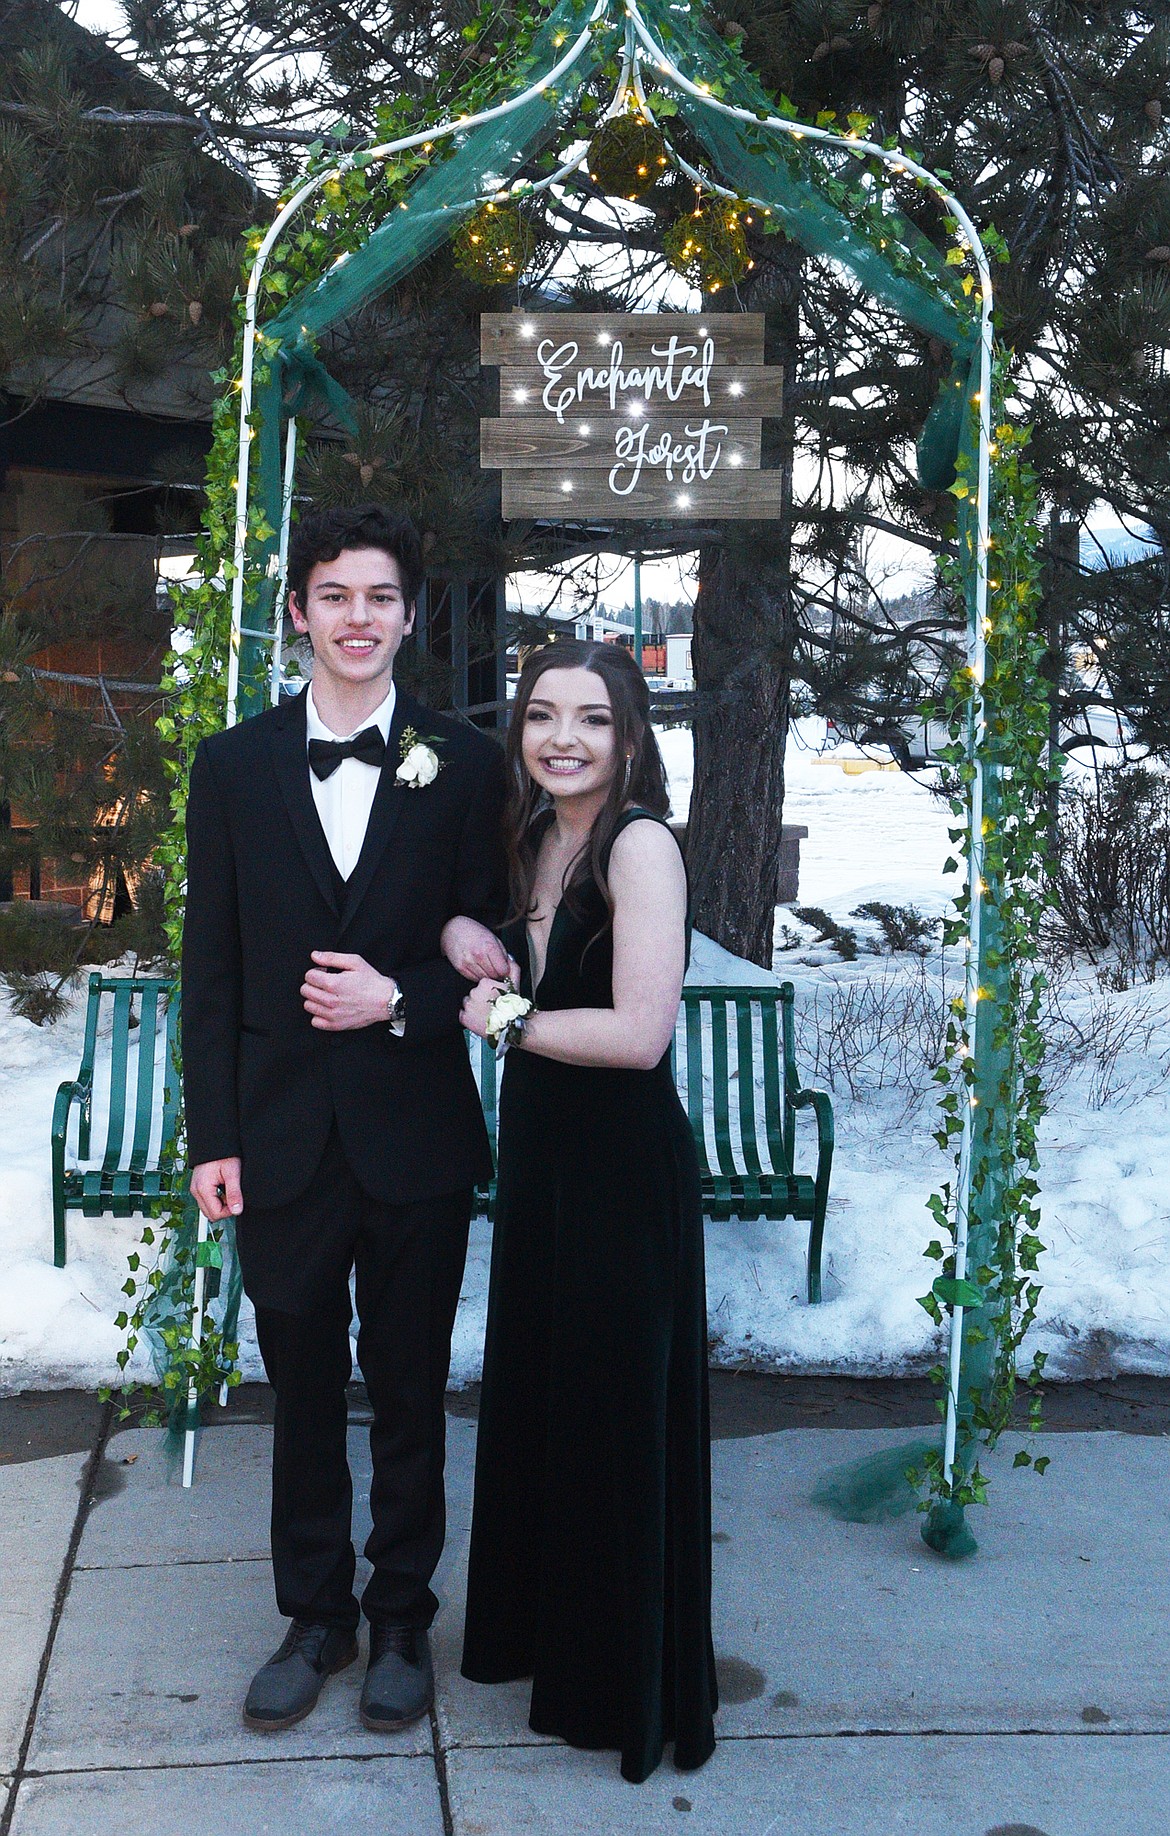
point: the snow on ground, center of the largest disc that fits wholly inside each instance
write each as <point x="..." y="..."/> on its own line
<point x="873" y="835"/>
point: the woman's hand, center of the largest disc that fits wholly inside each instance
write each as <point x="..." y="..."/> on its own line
<point x="478" y="1005"/>
<point x="473" y="950"/>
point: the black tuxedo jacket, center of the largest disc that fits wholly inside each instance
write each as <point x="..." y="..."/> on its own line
<point x="263" y="892"/>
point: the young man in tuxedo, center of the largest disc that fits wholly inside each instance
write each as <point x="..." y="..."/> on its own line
<point x="330" y="1103"/>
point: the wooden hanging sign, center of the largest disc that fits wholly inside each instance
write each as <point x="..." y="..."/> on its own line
<point x="630" y="415"/>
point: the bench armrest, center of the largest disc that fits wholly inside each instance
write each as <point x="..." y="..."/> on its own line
<point x="67" y="1093"/>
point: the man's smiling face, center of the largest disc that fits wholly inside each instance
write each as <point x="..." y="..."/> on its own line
<point x="355" y="613"/>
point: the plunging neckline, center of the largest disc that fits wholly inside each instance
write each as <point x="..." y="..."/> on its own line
<point x="535" y="980"/>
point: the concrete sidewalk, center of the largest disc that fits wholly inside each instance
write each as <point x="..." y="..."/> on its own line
<point x="869" y="1688"/>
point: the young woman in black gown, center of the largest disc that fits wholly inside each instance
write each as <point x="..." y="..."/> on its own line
<point x="590" y="1564"/>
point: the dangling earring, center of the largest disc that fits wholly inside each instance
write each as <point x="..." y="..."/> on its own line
<point x="629" y="773"/>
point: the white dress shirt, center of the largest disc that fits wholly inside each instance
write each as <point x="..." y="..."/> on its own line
<point x="344" y="799"/>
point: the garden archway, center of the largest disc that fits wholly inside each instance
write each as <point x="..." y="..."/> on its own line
<point x="834" y="191"/>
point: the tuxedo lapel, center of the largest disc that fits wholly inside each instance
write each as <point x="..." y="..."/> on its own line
<point x="386" y="807"/>
<point x="290" y="756"/>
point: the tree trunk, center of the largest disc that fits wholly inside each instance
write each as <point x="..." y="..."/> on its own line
<point x="742" y="654"/>
<point x="740" y="729"/>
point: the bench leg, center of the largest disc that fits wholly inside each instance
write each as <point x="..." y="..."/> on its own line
<point x="58" y="1226"/>
<point x="816" y="1237"/>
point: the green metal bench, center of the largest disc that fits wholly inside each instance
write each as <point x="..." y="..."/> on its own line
<point x="139" y="1116"/>
<point x="746" y="1135"/>
<point x="734" y="1062"/>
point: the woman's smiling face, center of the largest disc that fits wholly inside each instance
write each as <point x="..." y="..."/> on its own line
<point x="568" y="743"/>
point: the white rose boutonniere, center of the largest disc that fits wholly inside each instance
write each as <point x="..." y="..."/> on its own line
<point x="420" y="765"/>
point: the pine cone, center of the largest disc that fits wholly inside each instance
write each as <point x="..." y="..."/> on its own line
<point x="995" y="69"/>
<point x="873" y="17"/>
<point x="1153" y="111"/>
<point x="187" y="229"/>
<point x="194" y="311"/>
<point x="828" y="45"/>
<point x="158" y="309"/>
<point x="1160" y="253"/>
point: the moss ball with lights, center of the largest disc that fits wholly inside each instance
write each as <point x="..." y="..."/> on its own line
<point x="708" y="246"/>
<point x="494" y="245"/>
<point x="627" y="156"/>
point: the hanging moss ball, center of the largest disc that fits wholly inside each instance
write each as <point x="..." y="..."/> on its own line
<point x="708" y="246"/>
<point x="627" y="156"/>
<point x="494" y="245"/>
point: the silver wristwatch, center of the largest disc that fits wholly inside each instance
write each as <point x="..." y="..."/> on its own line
<point x="396" y="1007"/>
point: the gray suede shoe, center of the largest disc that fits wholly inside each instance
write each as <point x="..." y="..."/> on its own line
<point x="286" y="1689"/>
<point x="400" y="1683"/>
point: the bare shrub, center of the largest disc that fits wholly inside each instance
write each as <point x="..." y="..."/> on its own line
<point x="1111" y="880"/>
<point x="886" y="1031"/>
<point x="1121" y="1045"/>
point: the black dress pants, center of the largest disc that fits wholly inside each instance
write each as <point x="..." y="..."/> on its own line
<point x="408" y="1262"/>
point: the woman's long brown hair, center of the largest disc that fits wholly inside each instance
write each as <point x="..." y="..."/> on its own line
<point x="629" y="699"/>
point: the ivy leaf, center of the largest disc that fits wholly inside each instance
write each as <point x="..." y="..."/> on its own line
<point x="957" y="1293"/>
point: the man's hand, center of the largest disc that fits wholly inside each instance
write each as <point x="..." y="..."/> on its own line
<point x="478" y="1005"/>
<point x="473" y="950"/>
<point x="215" y="1187"/>
<point x="343" y="992"/>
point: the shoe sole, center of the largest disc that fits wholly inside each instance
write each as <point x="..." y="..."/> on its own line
<point x="378" y="1724"/>
<point x="290" y="1721"/>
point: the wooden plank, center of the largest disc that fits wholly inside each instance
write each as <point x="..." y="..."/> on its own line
<point x="536" y="441"/>
<point x="744" y="393"/>
<point x="513" y="337"/>
<point x="726" y="496"/>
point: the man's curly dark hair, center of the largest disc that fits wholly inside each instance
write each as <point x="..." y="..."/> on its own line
<point x="322" y="535"/>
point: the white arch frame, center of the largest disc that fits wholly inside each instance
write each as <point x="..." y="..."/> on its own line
<point x="641" y="46"/>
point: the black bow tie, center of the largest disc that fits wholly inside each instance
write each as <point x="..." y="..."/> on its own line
<point x="325" y="755"/>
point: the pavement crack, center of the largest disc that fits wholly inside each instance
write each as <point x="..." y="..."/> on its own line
<point x="85" y="1501"/>
<point x="440" y="1758"/>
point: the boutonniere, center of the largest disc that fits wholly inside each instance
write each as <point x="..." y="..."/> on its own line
<point x="420" y="764"/>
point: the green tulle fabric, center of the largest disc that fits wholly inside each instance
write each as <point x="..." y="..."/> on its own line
<point x="875" y="1488"/>
<point x="167" y="1322"/>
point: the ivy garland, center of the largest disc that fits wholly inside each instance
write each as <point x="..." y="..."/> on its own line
<point x="159" y="1297"/>
<point x="1000" y="1291"/>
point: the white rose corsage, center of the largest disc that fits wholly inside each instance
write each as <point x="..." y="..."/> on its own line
<point x="420" y="765"/>
<point x="508" y="1015"/>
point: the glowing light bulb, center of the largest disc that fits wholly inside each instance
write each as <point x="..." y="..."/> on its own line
<point x="735" y="459"/>
<point x="519" y="395"/>
<point x="636" y="408"/>
<point x="528" y="331"/>
<point x="566" y="484"/>
<point x="583" y="430"/>
<point x="735" y="388"/>
<point x="683" y="501"/>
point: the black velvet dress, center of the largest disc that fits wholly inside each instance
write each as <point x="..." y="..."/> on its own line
<point x="590" y="1564"/>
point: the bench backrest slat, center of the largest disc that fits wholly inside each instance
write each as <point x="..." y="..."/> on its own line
<point x="170" y="1074"/>
<point x="148" y="1018"/>
<point x="119" y="1053"/>
<point x="88" y="1053"/>
<point x="779" y="1143"/>
<point x="695" y="1104"/>
<point x="747" y="1084"/>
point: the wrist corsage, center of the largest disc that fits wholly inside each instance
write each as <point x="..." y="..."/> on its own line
<point x="507" y="1018"/>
